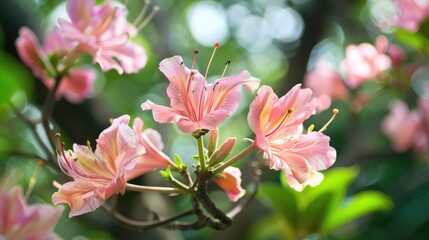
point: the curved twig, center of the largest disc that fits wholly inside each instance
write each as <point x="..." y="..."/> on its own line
<point x="142" y="225"/>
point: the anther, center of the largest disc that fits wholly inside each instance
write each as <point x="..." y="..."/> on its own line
<point x="335" y="111"/>
<point x="226" y="66"/>
<point x="216" y="46"/>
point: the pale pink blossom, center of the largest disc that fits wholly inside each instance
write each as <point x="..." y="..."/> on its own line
<point x="410" y="13"/>
<point x="277" y="124"/>
<point x="402" y="126"/>
<point x="30" y="52"/>
<point x="326" y="84"/>
<point x="19" y="220"/>
<point x="76" y="84"/>
<point x="100" y="174"/>
<point x="230" y="181"/>
<point x="153" y="158"/>
<point x="104" y="32"/>
<point x="194" y="103"/>
<point x="364" y="62"/>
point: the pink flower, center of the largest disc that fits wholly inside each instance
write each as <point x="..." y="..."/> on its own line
<point x="153" y="158"/>
<point x="103" y="32"/>
<point x="76" y="84"/>
<point x="404" y="138"/>
<point x="18" y="220"/>
<point x="30" y="52"/>
<point x="364" y="61"/>
<point x="326" y="84"/>
<point x="100" y="174"/>
<point x="194" y="103"/>
<point x="277" y="124"/>
<point x="230" y="181"/>
<point x="410" y="13"/>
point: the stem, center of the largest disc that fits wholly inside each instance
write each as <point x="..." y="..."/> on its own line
<point x="141" y="225"/>
<point x="138" y="188"/>
<point x="48" y="107"/>
<point x="234" y="159"/>
<point x="180" y="186"/>
<point x="207" y="203"/>
<point x="32" y="126"/>
<point x="201" y="154"/>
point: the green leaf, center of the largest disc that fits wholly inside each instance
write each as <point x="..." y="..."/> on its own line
<point x="356" y="206"/>
<point x="271" y="227"/>
<point x="178" y="161"/>
<point x="14" y="78"/>
<point x="335" y="180"/>
<point x="281" y="201"/>
<point x="316" y="212"/>
<point x="414" y="40"/>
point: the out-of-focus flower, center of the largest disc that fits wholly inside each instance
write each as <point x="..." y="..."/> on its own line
<point x="326" y="84"/>
<point x="404" y="138"/>
<point x="19" y="220"/>
<point x="410" y="13"/>
<point x="104" y="32"/>
<point x="230" y="181"/>
<point x="100" y="174"/>
<point x="195" y="104"/>
<point x="277" y="124"/>
<point x="153" y="158"/>
<point x="364" y="61"/>
<point x="76" y="84"/>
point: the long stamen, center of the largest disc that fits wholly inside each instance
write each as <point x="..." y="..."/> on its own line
<point x="334" y="113"/>
<point x="216" y="46"/>
<point x="226" y="67"/>
<point x="63" y="154"/>
<point x="192" y="70"/>
<point x="289" y="111"/>
<point x="33" y="179"/>
<point x="142" y="12"/>
<point x="155" y="9"/>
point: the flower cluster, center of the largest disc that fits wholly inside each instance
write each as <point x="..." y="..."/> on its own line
<point x="197" y="107"/>
<point x="121" y="154"/>
<point x="102" y="31"/>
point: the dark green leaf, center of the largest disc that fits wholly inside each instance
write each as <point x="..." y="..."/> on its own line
<point x="282" y="202"/>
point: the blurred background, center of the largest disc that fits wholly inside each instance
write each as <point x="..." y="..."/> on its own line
<point x="372" y="192"/>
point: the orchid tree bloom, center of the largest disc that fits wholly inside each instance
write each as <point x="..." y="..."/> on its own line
<point x="100" y="174"/>
<point x="104" y="32"/>
<point x="393" y="126"/>
<point x="364" y="62"/>
<point x="19" y="220"/>
<point x="230" y="181"/>
<point x="76" y="84"/>
<point x="326" y="84"/>
<point x="196" y="105"/>
<point x="153" y="158"/>
<point x="410" y="13"/>
<point x="277" y="124"/>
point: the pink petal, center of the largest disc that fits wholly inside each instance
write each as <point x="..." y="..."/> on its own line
<point x="301" y="156"/>
<point x="230" y="182"/>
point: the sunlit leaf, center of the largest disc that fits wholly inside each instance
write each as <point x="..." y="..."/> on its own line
<point x="414" y="40"/>
<point x="282" y="201"/>
<point x="356" y="206"/>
